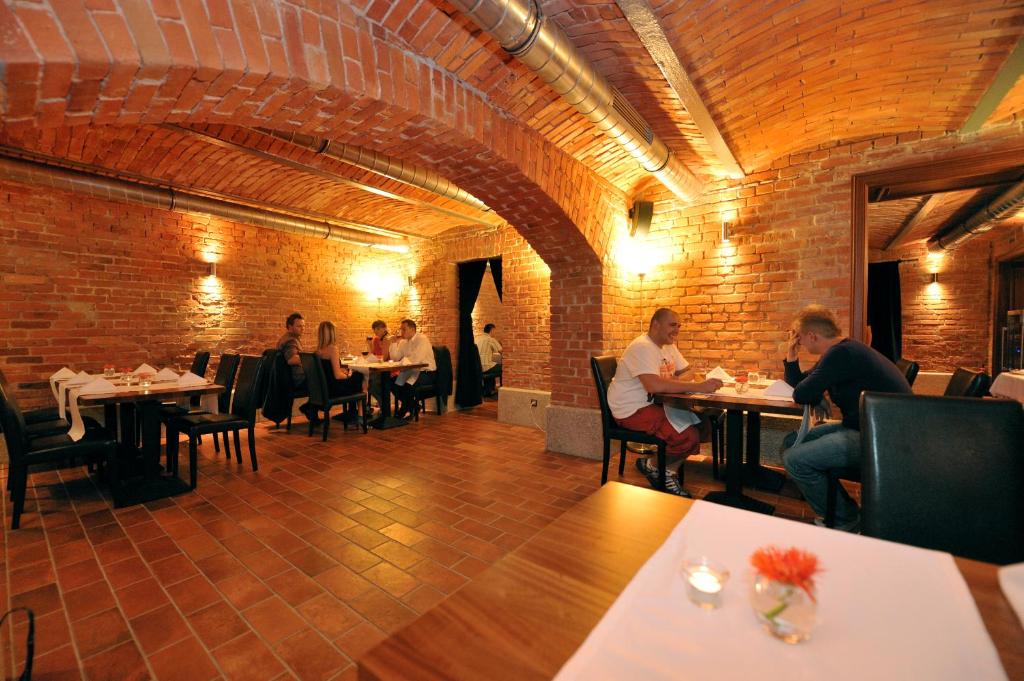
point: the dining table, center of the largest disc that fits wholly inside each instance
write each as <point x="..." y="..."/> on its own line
<point x="530" y="612"/>
<point x="751" y="403"/>
<point x="140" y="477"/>
<point x="383" y="369"/>
<point x="1009" y="384"/>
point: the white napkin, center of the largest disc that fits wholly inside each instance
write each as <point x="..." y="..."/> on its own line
<point x="681" y="419"/>
<point x="97" y="386"/>
<point x="405" y="361"/>
<point x="166" y="374"/>
<point x="63" y="374"/>
<point x="190" y="379"/>
<point x="81" y="378"/>
<point x="144" y="369"/>
<point x="1011" y="580"/>
<point x="779" y="389"/>
<point x="721" y="374"/>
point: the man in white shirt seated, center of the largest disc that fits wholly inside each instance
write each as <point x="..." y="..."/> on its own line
<point x="416" y="348"/>
<point x="652" y="364"/>
<point x="490" y="359"/>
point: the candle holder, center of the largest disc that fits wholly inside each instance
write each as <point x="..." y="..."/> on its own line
<point x="705" y="581"/>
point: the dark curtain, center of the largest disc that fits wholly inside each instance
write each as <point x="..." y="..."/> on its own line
<point x="885" y="315"/>
<point x="496" y="274"/>
<point x="468" y="379"/>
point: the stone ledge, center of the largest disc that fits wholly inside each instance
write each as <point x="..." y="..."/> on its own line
<point x="514" y="406"/>
<point x="571" y="430"/>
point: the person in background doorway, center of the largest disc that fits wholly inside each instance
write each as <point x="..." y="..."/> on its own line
<point x="490" y="359"/>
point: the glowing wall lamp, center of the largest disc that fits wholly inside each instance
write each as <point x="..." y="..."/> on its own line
<point x="935" y="278"/>
<point x="726" y="231"/>
<point x="212" y="271"/>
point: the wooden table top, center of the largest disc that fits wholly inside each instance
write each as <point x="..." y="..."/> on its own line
<point x="746" y="402"/>
<point x="383" y="366"/>
<point x="157" y="391"/>
<point x="525" y="616"/>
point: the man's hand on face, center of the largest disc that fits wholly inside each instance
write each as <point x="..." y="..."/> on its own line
<point x="793" y="346"/>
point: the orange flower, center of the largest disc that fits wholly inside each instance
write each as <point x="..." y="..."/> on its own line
<point x="792" y="566"/>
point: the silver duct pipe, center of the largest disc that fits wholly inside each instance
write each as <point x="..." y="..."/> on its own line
<point x="389" y="167"/>
<point x="1003" y="206"/>
<point x="524" y="32"/>
<point x="111" y="189"/>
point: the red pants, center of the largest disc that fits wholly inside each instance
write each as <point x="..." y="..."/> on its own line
<point x="652" y="420"/>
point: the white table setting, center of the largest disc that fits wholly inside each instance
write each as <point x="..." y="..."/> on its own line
<point x="884" y="611"/>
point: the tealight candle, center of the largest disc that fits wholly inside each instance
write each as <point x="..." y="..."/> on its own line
<point x="704" y="583"/>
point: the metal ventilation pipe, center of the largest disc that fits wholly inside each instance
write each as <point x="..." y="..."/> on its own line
<point x="524" y="32"/>
<point x="387" y="166"/>
<point x="1003" y="206"/>
<point x="111" y="189"/>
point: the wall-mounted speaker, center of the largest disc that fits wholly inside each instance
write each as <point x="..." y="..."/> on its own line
<point x="640" y="218"/>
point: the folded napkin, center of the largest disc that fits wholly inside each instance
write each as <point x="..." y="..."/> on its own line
<point x="1011" y="580"/>
<point x="97" y="386"/>
<point x="61" y="375"/>
<point x="144" y="369"/>
<point x="721" y="374"/>
<point x="779" y="389"/>
<point x="405" y="361"/>
<point x="81" y="378"/>
<point x="166" y="374"/>
<point x="190" y="379"/>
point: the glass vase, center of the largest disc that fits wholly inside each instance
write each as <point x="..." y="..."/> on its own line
<point x="786" y="611"/>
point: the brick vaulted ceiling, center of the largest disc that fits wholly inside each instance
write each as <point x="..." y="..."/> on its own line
<point x="777" y="76"/>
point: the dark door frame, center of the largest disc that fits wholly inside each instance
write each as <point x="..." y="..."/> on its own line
<point x="954" y="171"/>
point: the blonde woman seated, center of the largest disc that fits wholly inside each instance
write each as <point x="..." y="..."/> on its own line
<point x="340" y="381"/>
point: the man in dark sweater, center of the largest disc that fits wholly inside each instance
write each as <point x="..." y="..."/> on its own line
<point x="847" y="368"/>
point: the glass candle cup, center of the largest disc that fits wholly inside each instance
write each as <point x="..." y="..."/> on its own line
<point x="108" y="370"/>
<point x="145" y="379"/>
<point x="755" y="377"/>
<point x="705" y="581"/>
<point x="741" y="387"/>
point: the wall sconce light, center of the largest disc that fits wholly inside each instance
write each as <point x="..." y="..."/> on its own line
<point x="213" y="269"/>
<point x="935" y="278"/>
<point x="409" y="281"/>
<point x="726" y="231"/>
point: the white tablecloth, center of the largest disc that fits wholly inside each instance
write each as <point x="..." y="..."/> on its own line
<point x="1008" y="385"/>
<point x="886" y="611"/>
<point x="207" y="402"/>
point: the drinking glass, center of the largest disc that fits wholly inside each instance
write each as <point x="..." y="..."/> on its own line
<point x="145" y="379"/>
<point x="755" y="377"/>
<point x="108" y="370"/>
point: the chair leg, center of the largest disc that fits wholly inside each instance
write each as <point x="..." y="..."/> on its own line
<point x="19" y="484"/>
<point x="216" y="443"/>
<point x="605" y="459"/>
<point x="622" y="457"/>
<point x="238" y="446"/>
<point x="661" y="467"/>
<point x="193" y="460"/>
<point x="830" y="500"/>
<point x="252" y="446"/>
<point x="327" y="421"/>
<point x="309" y="432"/>
<point x="227" y="445"/>
<point x="439" y="412"/>
<point x="366" y="413"/>
<point x="715" y="451"/>
<point x="172" y="449"/>
<point x="288" y="426"/>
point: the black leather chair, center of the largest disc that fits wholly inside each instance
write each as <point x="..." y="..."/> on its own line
<point x="909" y="369"/>
<point x="440" y="389"/>
<point x="248" y="396"/>
<point x="320" y="398"/>
<point x="944" y="473"/>
<point x="603" y="369"/>
<point x="39" y="422"/>
<point x="23" y="452"/>
<point x="964" y="383"/>
<point x="227" y="367"/>
<point x="281" y="391"/>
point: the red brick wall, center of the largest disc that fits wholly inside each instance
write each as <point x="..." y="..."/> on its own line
<point x="525" y="290"/>
<point x="790" y="247"/>
<point x="948" y="324"/>
<point x="85" y="282"/>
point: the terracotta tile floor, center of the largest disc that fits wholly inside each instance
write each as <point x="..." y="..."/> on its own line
<point x="293" y="571"/>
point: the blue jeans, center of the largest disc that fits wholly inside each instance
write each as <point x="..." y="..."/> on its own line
<point x="825" y="447"/>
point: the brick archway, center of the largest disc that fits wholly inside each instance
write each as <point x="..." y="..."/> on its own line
<point x="286" y="68"/>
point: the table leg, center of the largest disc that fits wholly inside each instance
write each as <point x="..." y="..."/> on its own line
<point x="151" y="482"/>
<point x="733" y="494"/>
<point x="386" y="420"/>
<point x="756" y="475"/>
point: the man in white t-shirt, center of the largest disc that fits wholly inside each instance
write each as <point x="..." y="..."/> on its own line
<point x="652" y="364"/>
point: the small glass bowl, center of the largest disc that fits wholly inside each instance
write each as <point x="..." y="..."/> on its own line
<point x="705" y="581"/>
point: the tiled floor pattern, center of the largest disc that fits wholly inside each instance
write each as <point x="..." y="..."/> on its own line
<point x="295" y="570"/>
